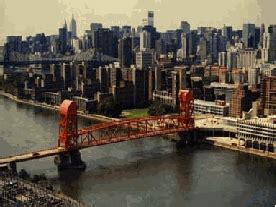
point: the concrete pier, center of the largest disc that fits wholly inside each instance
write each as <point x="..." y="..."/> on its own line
<point x="70" y="160"/>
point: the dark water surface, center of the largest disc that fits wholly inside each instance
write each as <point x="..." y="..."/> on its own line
<point x="147" y="172"/>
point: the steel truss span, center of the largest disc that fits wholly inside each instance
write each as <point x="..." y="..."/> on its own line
<point x="70" y="137"/>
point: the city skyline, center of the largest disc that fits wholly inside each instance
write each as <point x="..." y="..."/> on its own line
<point x="17" y="17"/>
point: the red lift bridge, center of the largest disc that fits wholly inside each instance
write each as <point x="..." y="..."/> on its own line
<point x="71" y="139"/>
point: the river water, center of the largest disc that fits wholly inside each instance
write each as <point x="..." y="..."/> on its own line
<point x="147" y="172"/>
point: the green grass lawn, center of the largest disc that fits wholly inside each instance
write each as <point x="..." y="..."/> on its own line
<point x="135" y="113"/>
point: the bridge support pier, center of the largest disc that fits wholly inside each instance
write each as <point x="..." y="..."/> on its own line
<point x="13" y="167"/>
<point x="70" y="160"/>
<point x="186" y="138"/>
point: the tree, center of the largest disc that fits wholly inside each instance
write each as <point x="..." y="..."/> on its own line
<point x="158" y="108"/>
<point x="109" y="107"/>
<point x="24" y="174"/>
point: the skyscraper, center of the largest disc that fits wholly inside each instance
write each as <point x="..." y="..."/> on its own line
<point x="193" y="42"/>
<point x="145" y="40"/>
<point x="145" y="59"/>
<point x="73" y="27"/>
<point x="248" y="35"/>
<point x="272" y="28"/>
<point x="125" y="52"/>
<point x="269" y="47"/>
<point x="104" y="41"/>
<point x="151" y="18"/>
<point x="185" y="45"/>
<point x="185" y="26"/>
<point x="95" y="26"/>
<point x="63" y="39"/>
<point x="227" y="32"/>
<point x="262" y="32"/>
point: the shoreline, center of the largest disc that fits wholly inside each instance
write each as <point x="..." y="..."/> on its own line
<point x="228" y="145"/>
<point x="94" y="117"/>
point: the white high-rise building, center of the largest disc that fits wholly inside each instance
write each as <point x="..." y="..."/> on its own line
<point x="145" y="59"/>
<point x="269" y="47"/>
<point x="254" y="76"/>
<point x="76" y="44"/>
<point x="184" y="44"/>
<point x="222" y="60"/>
<point x="145" y="40"/>
<point x="232" y="59"/>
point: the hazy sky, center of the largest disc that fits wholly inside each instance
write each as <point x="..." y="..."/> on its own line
<point x="27" y="17"/>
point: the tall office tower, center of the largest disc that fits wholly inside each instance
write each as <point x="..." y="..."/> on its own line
<point x="144" y="22"/>
<point x="126" y="31"/>
<point x="227" y="32"/>
<point x="247" y="58"/>
<point x="54" y="43"/>
<point x="151" y="18"/>
<point x="73" y="27"/>
<point x="140" y="80"/>
<point x="193" y="43"/>
<point x="13" y="44"/>
<point x="145" y="40"/>
<point x="104" y="41"/>
<point x="63" y="39"/>
<point x="214" y="46"/>
<point x="222" y="60"/>
<point x="135" y="39"/>
<point x="239" y="102"/>
<point x="95" y="26"/>
<point x="253" y="76"/>
<point x="202" y="49"/>
<point x="257" y="36"/>
<point x="262" y="32"/>
<point x="182" y="77"/>
<point x="145" y="59"/>
<point x="154" y="35"/>
<point x="248" y="35"/>
<point x="185" y="45"/>
<point x="76" y="45"/>
<point x="222" y="43"/>
<point x="232" y="59"/>
<point x="91" y="33"/>
<point x="160" y="46"/>
<point x="125" y="52"/>
<point x="115" y="76"/>
<point x="271" y="28"/>
<point x="185" y="26"/>
<point x="157" y="82"/>
<point x="269" y="47"/>
<point x="103" y="78"/>
<point x="67" y="75"/>
<point x="268" y="95"/>
<point x="116" y="31"/>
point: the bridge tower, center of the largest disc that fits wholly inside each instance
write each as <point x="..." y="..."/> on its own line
<point x="186" y="110"/>
<point x="68" y="137"/>
<point x="68" y="124"/>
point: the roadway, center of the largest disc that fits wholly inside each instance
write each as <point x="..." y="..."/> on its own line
<point x="32" y="155"/>
<point x="216" y="124"/>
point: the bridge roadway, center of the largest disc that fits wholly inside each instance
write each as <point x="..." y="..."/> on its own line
<point x="32" y="155"/>
<point x="59" y="150"/>
<point x="200" y="124"/>
<point x="71" y="139"/>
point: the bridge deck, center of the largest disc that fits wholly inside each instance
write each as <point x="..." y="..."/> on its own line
<point x="56" y="151"/>
<point x="32" y="155"/>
